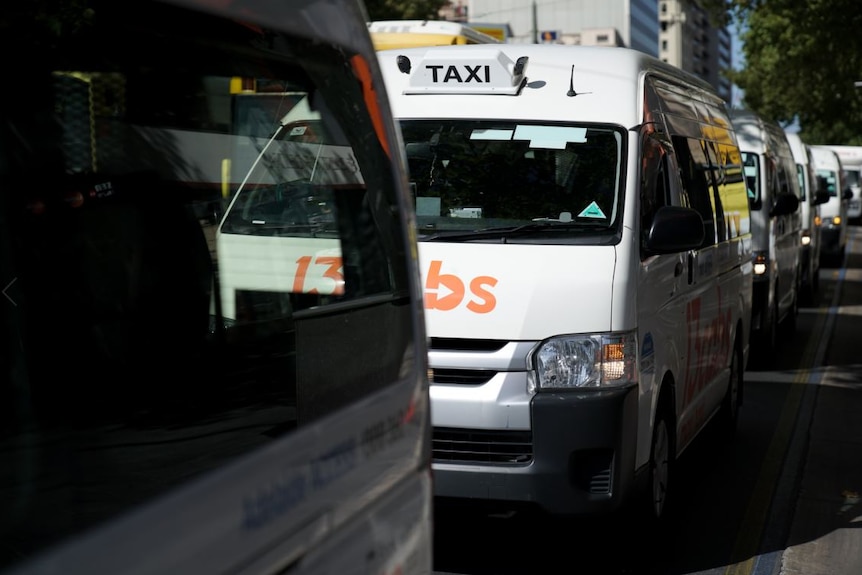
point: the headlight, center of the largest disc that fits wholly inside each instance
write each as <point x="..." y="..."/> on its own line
<point x="761" y="263"/>
<point x="806" y="237"/>
<point x="583" y="361"/>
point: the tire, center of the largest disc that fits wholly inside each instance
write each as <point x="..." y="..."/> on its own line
<point x="767" y="341"/>
<point x="811" y="289"/>
<point x="815" y="286"/>
<point x="661" y="467"/>
<point x="807" y="294"/>
<point x="729" y="414"/>
<point x="789" y="324"/>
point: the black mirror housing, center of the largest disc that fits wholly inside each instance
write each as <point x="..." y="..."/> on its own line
<point x="785" y="203"/>
<point x="675" y="229"/>
<point x="821" y="197"/>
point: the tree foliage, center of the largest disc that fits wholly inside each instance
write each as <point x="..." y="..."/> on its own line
<point x="404" y="9"/>
<point x="802" y="60"/>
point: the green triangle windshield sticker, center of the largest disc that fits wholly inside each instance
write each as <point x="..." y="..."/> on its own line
<point x="592" y="211"/>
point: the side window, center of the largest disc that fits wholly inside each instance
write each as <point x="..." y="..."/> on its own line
<point x="654" y="185"/>
<point x="697" y="190"/>
<point x="732" y="191"/>
<point x="717" y="180"/>
<point x="772" y="180"/>
<point x="783" y="177"/>
<point x="800" y="177"/>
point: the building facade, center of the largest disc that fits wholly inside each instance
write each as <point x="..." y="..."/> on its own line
<point x="631" y="23"/>
<point x="679" y="33"/>
<point x="689" y="41"/>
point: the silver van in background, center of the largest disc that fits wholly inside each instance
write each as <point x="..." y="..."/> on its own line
<point x="811" y="196"/>
<point x="851" y="164"/>
<point x="829" y="172"/>
<point x="776" y="225"/>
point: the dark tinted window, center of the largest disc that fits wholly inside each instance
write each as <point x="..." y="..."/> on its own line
<point x="696" y="171"/>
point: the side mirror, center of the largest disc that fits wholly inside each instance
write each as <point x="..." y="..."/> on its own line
<point x="847" y="194"/>
<point x="821" y="197"/>
<point x="675" y="229"/>
<point x="822" y="184"/>
<point x="785" y="203"/>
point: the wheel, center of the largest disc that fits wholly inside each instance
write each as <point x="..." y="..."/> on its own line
<point x="807" y="294"/>
<point x="789" y="324"/>
<point x="810" y="289"/>
<point x="729" y="414"/>
<point x="815" y="285"/>
<point x="768" y="339"/>
<point x="661" y="467"/>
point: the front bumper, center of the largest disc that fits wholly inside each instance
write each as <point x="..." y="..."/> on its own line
<point x="582" y="456"/>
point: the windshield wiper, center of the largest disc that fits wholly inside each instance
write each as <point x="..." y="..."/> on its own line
<point x="510" y="231"/>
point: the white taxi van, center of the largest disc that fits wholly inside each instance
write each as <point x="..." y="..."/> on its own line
<point x="585" y="243"/>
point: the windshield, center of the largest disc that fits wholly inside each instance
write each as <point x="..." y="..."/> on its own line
<point x="290" y="189"/>
<point x="830" y="178"/>
<point x="483" y="180"/>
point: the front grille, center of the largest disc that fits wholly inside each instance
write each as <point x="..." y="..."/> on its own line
<point x="451" y="344"/>
<point x="460" y="376"/>
<point x="482" y="446"/>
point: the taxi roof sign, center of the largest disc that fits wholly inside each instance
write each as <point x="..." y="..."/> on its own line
<point x="454" y="71"/>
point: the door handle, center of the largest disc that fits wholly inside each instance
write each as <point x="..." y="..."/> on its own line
<point x="690" y="268"/>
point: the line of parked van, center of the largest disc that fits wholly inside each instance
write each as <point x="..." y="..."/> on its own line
<point x="801" y="203"/>
<point x="851" y="165"/>
<point x="604" y="247"/>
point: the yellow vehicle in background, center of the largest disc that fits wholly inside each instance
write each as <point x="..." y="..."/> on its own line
<point x="394" y="34"/>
